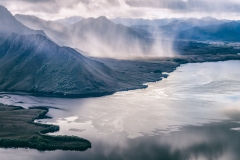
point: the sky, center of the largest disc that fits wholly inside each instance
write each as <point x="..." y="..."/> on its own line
<point x="148" y="9"/>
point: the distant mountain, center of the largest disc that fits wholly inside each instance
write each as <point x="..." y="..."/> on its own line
<point x="110" y="38"/>
<point x="9" y="24"/>
<point x="224" y="32"/>
<point x="69" y="20"/>
<point x="176" y="26"/>
<point x="209" y="18"/>
<point x="32" y="63"/>
<point x="139" y="21"/>
<point x="56" y="31"/>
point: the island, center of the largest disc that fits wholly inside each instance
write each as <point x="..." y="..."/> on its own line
<point x="18" y="130"/>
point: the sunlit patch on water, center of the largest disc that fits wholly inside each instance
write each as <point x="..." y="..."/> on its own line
<point x="71" y="119"/>
<point x="235" y="129"/>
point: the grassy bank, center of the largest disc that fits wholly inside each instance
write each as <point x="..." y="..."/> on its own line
<point x="19" y="131"/>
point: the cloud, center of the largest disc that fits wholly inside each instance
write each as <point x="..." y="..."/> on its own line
<point x="55" y="6"/>
<point x="53" y="9"/>
<point x="189" y="5"/>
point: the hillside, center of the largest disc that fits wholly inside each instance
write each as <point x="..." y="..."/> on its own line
<point x="9" y="24"/>
<point x="32" y="63"/>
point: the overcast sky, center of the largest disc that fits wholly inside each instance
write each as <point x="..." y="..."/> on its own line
<point x="150" y="9"/>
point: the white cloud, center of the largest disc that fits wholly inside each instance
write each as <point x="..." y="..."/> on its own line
<point x="53" y="9"/>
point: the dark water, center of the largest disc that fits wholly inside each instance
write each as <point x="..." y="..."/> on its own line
<point x="193" y="114"/>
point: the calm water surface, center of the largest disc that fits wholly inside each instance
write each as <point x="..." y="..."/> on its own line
<point x="193" y="114"/>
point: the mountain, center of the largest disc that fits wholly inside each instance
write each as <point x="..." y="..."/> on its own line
<point x="174" y="27"/>
<point x="229" y="31"/>
<point x="33" y="63"/>
<point x="69" y="20"/>
<point x="56" y="31"/>
<point x="9" y="24"/>
<point x="139" y="21"/>
<point x="110" y="38"/>
<point x="209" y="18"/>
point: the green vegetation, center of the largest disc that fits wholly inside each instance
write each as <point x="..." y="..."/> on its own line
<point x="19" y="131"/>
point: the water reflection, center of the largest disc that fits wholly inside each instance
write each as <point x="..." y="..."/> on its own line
<point x="163" y="121"/>
<point x="208" y="142"/>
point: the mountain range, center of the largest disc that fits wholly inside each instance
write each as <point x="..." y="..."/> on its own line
<point x="69" y="20"/>
<point x="229" y="31"/>
<point x="109" y="39"/>
<point x="34" y="63"/>
<point x="174" y="27"/>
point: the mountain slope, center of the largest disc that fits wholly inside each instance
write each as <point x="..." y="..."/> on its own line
<point x="69" y="20"/>
<point x="32" y="63"/>
<point x="225" y="32"/>
<point x="56" y="31"/>
<point x="9" y="24"/>
<point x="108" y="37"/>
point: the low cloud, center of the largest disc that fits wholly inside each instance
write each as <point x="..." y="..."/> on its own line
<point x="189" y="5"/>
<point x="53" y="9"/>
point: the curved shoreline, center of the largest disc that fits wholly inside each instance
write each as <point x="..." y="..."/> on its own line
<point x="136" y="81"/>
<point x="18" y="130"/>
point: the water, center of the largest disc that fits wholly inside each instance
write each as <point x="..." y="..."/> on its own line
<point x="193" y="114"/>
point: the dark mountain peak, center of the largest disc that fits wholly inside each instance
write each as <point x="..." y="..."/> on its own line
<point x="174" y="22"/>
<point x="90" y="23"/>
<point x="99" y="20"/>
<point x="29" y="19"/>
<point x="5" y="15"/>
<point x="69" y="20"/>
<point x="27" y="16"/>
<point x="28" y="42"/>
<point x="56" y="31"/>
<point x="53" y="69"/>
<point x="3" y="9"/>
<point x="10" y="25"/>
<point x="102" y="18"/>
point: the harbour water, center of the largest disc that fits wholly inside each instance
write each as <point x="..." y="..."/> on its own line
<point x="192" y="114"/>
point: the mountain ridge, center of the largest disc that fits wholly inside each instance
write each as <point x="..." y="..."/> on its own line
<point x="9" y="24"/>
<point x="57" y="32"/>
<point x="54" y="69"/>
<point x="223" y="32"/>
<point x="109" y="37"/>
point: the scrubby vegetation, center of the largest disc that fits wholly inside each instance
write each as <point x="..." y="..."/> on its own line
<point x="19" y="131"/>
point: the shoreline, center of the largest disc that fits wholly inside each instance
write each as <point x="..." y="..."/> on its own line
<point x="18" y="130"/>
<point x="137" y="82"/>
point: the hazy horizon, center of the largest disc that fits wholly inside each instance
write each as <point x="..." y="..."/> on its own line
<point x="153" y="9"/>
